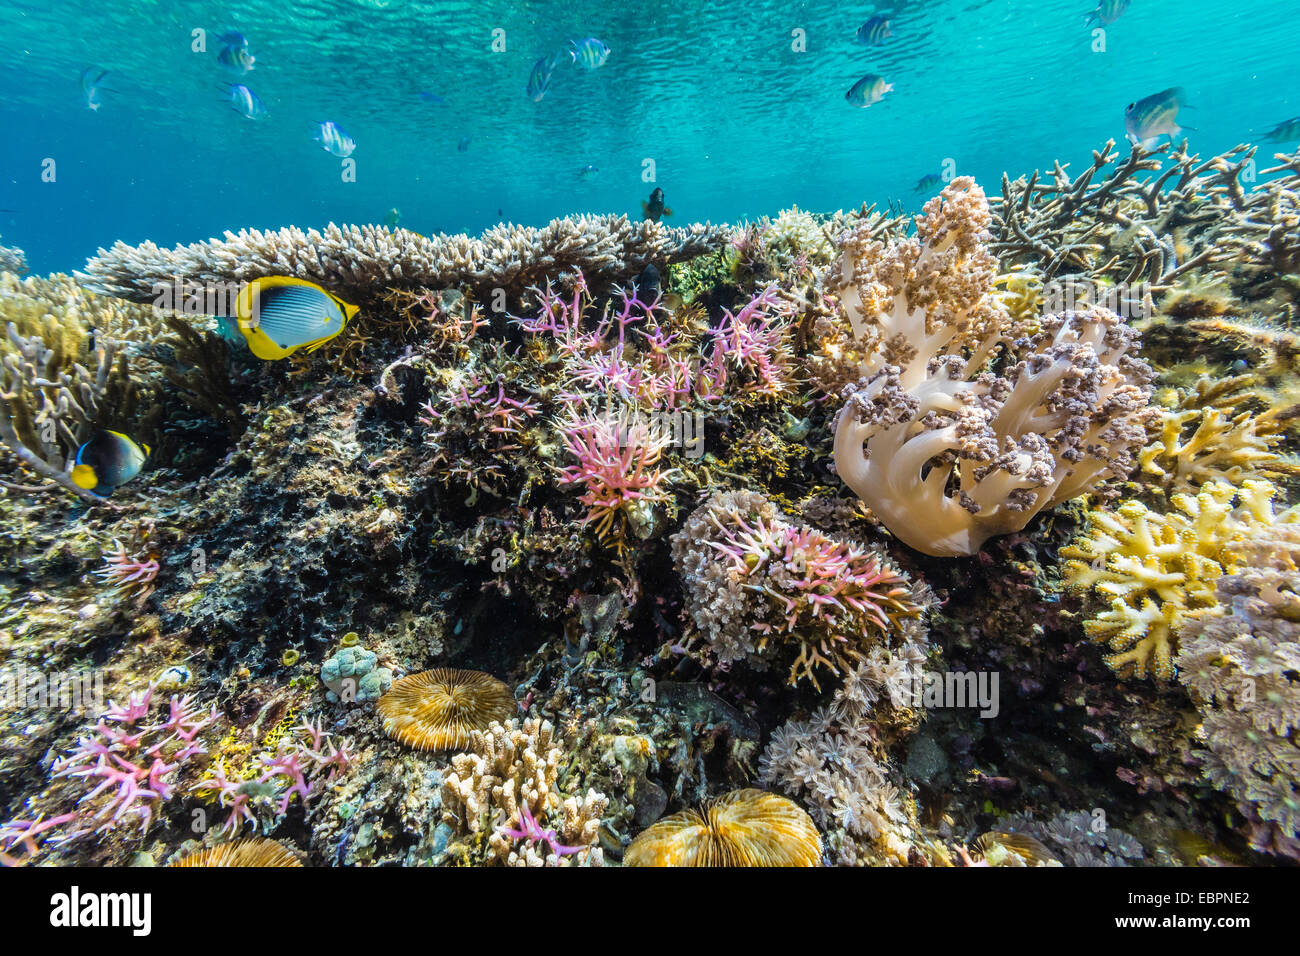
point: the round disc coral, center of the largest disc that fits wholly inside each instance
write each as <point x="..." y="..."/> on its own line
<point x="257" y="852"/>
<point x="441" y="708"/>
<point x="741" y="828"/>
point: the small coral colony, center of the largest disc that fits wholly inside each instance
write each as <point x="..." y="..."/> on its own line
<point x="959" y="539"/>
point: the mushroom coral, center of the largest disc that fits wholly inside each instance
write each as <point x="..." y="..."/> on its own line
<point x="255" y="852"/>
<point x="440" y="709"/>
<point x="741" y="828"/>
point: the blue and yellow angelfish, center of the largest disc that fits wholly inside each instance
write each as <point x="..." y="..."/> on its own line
<point x="108" y="460"/>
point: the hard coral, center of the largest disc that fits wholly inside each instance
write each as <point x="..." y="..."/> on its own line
<point x="741" y="828"/>
<point x="442" y="709"/>
<point x="1158" y="571"/>
<point x="507" y="787"/>
<point x="945" y="453"/>
<point x="362" y="263"/>
<point x="756" y="582"/>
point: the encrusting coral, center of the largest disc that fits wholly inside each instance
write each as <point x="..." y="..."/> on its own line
<point x="945" y="453"/>
<point x="1239" y="660"/>
<point x="507" y="787"/>
<point x="1156" y="572"/>
<point x="741" y="828"/>
<point x="443" y="708"/>
<point x="756" y="583"/>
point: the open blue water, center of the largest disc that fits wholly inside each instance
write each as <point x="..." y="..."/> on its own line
<point x="737" y="123"/>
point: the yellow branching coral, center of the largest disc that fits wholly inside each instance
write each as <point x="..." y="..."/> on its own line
<point x="741" y="828"/>
<point x="1205" y="444"/>
<point x="1158" y="571"/>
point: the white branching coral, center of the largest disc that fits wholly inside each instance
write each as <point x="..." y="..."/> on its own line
<point x="945" y="452"/>
<point x="506" y="792"/>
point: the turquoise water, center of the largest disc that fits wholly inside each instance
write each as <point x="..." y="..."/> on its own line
<point x="737" y="123"/>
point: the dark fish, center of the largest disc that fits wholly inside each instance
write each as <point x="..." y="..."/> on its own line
<point x="463" y="145"/>
<point x="108" y="460"/>
<point x="588" y="172"/>
<point x="648" y="284"/>
<point x="874" y="32"/>
<point x="653" y="208"/>
<point x="433" y="99"/>
<point x="926" y="183"/>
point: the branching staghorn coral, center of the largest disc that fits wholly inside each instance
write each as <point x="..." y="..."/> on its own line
<point x="944" y="453"/>
<point x="1240" y="662"/>
<point x="756" y="583"/>
<point x="361" y="263"/>
<point x="1157" y="572"/>
<point x="510" y="767"/>
<point x="1150" y="222"/>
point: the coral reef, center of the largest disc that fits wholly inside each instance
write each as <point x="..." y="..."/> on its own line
<point x="697" y="521"/>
